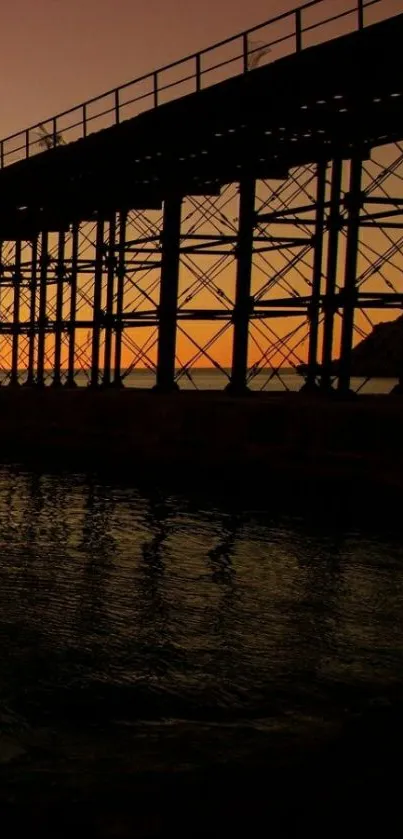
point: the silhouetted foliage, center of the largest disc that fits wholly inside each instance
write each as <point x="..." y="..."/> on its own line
<point x="49" y="140"/>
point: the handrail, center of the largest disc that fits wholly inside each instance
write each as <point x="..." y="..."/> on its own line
<point x="36" y="138"/>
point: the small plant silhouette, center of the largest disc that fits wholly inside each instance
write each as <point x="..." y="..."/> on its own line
<point x="49" y="140"/>
<point x="256" y="51"/>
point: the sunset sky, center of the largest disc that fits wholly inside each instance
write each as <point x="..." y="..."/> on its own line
<point x="56" y="53"/>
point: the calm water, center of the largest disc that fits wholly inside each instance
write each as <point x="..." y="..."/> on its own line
<point x="178" y="630"/>
<point x="211" y="379"/>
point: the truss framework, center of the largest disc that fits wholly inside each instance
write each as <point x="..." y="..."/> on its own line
<point x="265" y="277"/>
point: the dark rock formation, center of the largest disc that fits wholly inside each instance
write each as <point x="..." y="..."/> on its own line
<point x="380" y="354"/>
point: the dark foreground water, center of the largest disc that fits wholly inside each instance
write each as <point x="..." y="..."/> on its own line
<point x="165" y="633"/>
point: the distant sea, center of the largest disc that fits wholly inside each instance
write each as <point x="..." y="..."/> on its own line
<point x="205" y="378"/>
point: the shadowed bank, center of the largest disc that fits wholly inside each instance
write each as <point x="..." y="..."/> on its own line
<point x="266" y="443"/>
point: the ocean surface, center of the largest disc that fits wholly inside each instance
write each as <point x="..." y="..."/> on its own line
<point x="200" y="378"/>
<point x="174" y="632"/>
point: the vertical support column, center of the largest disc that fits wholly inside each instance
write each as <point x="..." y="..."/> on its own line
<point x="329" y="307"/>
<point x="1" y="273"/>
<point x="42" y="319"/>
<point x="1" y="298"/>
<point x="314" y="306"/>
<point x="16" y="314"/>
<point x="60" y="272"/>
<point x="398" y="387"/>
<point x="242" y="308"/>
<point x="354" y="203"/>
<point x="33" y="284"/>
<point x="168" y="306"/>
<point x="121" y="270"/>
<point x="96" y="328"/>
<point x="110" y="283"/>
<point x="73" y="306"/>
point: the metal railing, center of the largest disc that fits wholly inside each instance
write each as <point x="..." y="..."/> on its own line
<point x="285" y="34"/>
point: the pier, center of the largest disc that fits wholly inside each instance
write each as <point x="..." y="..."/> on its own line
<point x="246" y="201"/>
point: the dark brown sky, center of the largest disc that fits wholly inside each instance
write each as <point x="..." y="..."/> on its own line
<point x="55" y="53"/>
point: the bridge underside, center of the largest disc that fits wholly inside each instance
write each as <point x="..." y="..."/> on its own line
<point x="255" y="226"/>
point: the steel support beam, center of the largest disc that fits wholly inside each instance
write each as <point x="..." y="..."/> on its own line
<point x="16" y="314"/>
<point x="314" y="303"/>
<point x="97" y="301"/>
<point x="110" y="284"/>
<point x="2" y="306"/>
<point x="243" y="302"/>
<point x="117" y="377"/>
<point x="168" y="305"/>
<point x="354" y="203"/>
<point x="33" y="286"/>
<point x="42" y="320"/>
<point x="329" y="305"/>
<point x="60" y="272"/>
<point x="71" y="382"/>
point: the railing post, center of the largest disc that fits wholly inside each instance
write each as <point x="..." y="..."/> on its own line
<point x="2" y="154"/>
<point x="54" y="132"/>
<point x="198" y="72"/>
<point x="155" y="90"/>
<point x="27" y="143"/>
<point x="298" y="30"/>
<point x="117" y="106"/>
<point x="245" y="52"/>
<point x="360" y="14"/>
<point x="85" y="120"/>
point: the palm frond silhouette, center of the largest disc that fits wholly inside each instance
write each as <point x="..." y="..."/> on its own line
<point x="256" y="51"/>
<point x="48" y="140"/>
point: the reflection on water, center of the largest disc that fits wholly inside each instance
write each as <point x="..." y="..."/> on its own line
<point x="118" y="608"/>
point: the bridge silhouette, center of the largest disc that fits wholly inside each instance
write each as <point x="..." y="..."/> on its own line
<point x="249" y="186"/>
